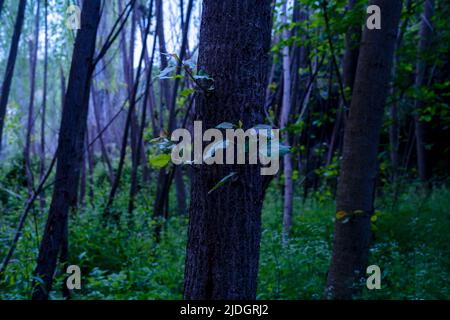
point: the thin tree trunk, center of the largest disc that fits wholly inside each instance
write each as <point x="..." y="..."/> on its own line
<point x="425" y="34"/>
<point x="90" y="164"/>
<point x="44" y="107"/>
<point x="34" y="46"/>
<point x="139" y="144"/>
<point x="349" y="63"/>
<point x="7" y="81"/>
<point x="284" y="121"/>
<point x="393" y="112"/>
<point x="1" y="6"/>
<point x="225" y="225"/>
<point x="70" y="148"/>
<point x="179" y="183"/>
<point x="105" y="156"/>
<point x="181" y="192"/>
<point x="131" y="112"/>
<point x="355" y="194"/>
<point x="162" y="191"/>
<point x="182" y="54"/>
<point x="82" y="194"/>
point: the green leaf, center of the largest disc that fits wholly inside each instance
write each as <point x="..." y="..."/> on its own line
<point x="160" y="161"/>
<point x="186" y="92"/>
<point x="222" y="182"/>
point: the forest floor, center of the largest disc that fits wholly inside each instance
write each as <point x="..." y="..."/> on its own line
<point x="410" y="245"/>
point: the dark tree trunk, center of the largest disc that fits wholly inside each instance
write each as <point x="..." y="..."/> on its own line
<point x="70" y="148"/>
<point x="104" y="151"/>
<point x="1" y="6"/>
<point x="7" y="81"/>
<point x="225" y="226"/>
<point x="44" y="106"/>
<point x="184" y="42"/>
<point x="139" y="145"/>
<point x="159" y="205"/>
<point x="181" y="192"/>
<point x="425" y="35"/>
<point x="133" y="85"/>
<point x="349" y="64"/>
<point x="394" y="128"/>
<point x="34" y="45"/>
<point x="352" y="41"/>
<point x="355" y="194"/>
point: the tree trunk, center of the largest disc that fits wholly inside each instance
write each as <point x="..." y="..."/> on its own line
<point x="349" y="64"/>
<point x="355" y="194"/>
<point x="181" y="192"/>
<point x="138" y="154"/>
<point x="1" y="6"/>
<point x="6" y="87"/>
<point x="104" y="151"/>
<point x="132" y="95"/>
<point x="159" y="205"/>
<point x="284" y="121"/>
<point x="425" y="35"/>
<point x="225" y="226"/>
<point x="34" y="45"/>
<point x="394" y="130"/>
<point x="44" y="106"/>
<point x="70" y="148"/>
<point x="350" y="60"/>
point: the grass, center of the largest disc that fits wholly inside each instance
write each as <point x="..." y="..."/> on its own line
<point x="411" y="238"/>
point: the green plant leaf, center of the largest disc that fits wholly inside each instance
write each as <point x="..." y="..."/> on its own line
<point x="160" y="161"/>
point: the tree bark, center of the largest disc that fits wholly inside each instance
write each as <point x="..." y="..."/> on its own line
<point x="425" y="34"/>
<point x="284" y="121"/>
<point x="104" y="151"/>
<point x="225" y="225"/>
<point x="44" y="106"/>
<point x="139" y="144"/>
<point x="349" y="65"/>
<point x="34" y="45"/>
<point x="355" y="194"/>
<point x="1" y="6"/>
<point x="394" y="128"/>
<point x="70" y="148"/>
<point x="132" y="95"/>
<point x="7" y="81"/>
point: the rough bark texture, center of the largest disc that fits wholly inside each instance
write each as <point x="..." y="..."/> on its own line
<point x="70" y="148"/>
<point x="425" y="35"/>
<point x="355" y="192"/>
<point x="7" y="81"/>
<point x="225" y="225"/>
